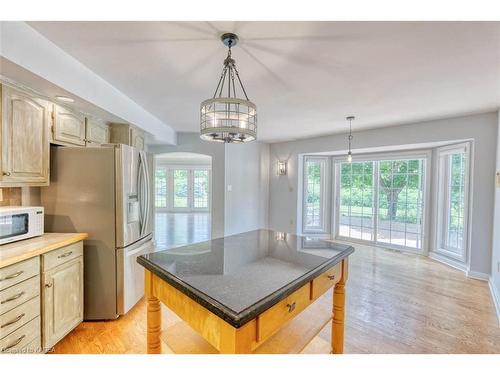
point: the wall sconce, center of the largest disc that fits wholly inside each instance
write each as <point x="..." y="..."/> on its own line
<point x="281" y="168"/>
<point x="280" y="236"/>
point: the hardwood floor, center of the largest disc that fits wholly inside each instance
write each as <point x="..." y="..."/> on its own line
<point x="396" y="303"/>
<point x="178" y="229"/>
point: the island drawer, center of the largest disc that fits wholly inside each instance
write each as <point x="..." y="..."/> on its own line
<point x="19" y="293"/>
<point x="325" y="281"/>
<point x="18" y="272"/>
<point x="62" y="255"/>
<point x="17" y="340"/>
<point x="18" y="316"/>
<point x="275" y="317"/>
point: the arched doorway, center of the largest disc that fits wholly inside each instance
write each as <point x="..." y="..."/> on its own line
<point x="183" y="197"/>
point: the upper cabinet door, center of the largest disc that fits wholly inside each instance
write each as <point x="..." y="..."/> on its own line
<point x="96" y="133"/>
<point x="137" y="137"/>
<point x="25" y="139"/>
<point x="68" y="127"/>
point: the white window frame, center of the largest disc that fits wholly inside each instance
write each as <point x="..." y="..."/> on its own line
<point x="324" y="201"/>
<point x="170" y="187"/>
<point x="442" y="223"/>
<point x="410" y="155"/>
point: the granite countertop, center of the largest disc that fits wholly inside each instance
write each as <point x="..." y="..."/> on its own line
<point x="18" y="251"/>
<point x="240" y="276"/>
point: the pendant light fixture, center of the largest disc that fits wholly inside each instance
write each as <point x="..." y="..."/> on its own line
<point x="225" y="117"/>
<point x="349" y="138"/>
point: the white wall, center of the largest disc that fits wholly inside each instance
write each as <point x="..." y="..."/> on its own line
<point x="246" y="168"/>
<point x="482" y="128"/>
<point x="191" y="142"/>
<point x="247" y="174"/>
<point x="495" y="258"/>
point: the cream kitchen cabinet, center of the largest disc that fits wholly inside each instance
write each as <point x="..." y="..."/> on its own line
<point x="68" y="127"/>
<point x="62" y="292"/>
<point x="137" y="138"/>
<point x="41" y="291"/>
<point x="127" y="134"/>
<point x="96" y="132"/>
<point x="24" y="135"/>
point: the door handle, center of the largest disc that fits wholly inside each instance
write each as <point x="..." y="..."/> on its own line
<point x="16" y="343"/>
<point x="13" y="276"/>
<point x="15" y="320"/>
<point x="65" y="254"/>
<point x="13" y="298"/>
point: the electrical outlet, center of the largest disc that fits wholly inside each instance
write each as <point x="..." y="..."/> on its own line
<point x="291" y="221"/>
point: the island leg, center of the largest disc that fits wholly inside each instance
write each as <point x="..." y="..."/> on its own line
<point x="338" y="312"/>
<point x="153" y="317"/>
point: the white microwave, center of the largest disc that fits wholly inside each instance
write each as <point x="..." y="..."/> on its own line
<point x="20" y="223"/>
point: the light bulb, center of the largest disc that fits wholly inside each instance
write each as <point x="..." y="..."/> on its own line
<point x="349" y="157"/>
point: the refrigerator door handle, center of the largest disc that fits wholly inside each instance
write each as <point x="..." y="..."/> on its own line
<point x="147" y="186"/>
<point x="140" y="192"/>
<point x="144" y="194"/>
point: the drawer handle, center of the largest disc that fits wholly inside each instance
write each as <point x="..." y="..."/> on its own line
<point x="13" y="276"/>
<point x="15" y="320"/>
<point x="65" y="254"/>
<point x="14" y="344"/>
<point x="48" y="285"/>
<point x="331" y="277"/>
<point x="6" y="173"/>
<point x="291" y="306"/>
<point x="13" y="298"/>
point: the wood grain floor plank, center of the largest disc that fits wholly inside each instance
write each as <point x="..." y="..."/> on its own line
<point x="395" y="303"/>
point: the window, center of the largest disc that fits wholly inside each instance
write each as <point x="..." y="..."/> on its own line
<point x="182" y="189"/>
<point x="161" y="187"/>
<point x="453" y="198"/>
<point x="200" y="188"/>
<point x="314" y="194"/>
<point x="356" y="200"/>
<point x="381" y="201"/>
<point x="400" y="202"/>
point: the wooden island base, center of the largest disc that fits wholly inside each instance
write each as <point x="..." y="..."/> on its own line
<point x="276" y="330"/>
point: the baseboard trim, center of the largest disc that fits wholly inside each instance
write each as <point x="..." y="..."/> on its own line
<point x="449" y="262"/>
<point x="496" y="297"/>
<point x="478" y="275"/>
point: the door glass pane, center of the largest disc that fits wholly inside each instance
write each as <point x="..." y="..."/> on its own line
<point x="456" y="202"/>
<point x="356" y="216"/>
<point x="200" y="188"/>
<point x="161" y="188"/>
<point x="181" y="188"/>
<point x="313" y="194"/>
<point x="400" y="202"/>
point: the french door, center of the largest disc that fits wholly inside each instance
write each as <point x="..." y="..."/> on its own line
<point x="182" y="189"/>
<point x="381" y="201"/>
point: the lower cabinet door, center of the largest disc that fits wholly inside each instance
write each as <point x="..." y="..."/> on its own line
<point x="62" y="300"/>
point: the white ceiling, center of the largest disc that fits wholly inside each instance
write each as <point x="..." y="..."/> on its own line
<point x="305" y="77"/>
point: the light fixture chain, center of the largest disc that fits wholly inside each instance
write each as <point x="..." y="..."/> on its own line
<point x="241" y="84"/>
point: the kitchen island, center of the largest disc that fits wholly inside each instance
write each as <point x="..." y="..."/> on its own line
<point x="237" y="292"/>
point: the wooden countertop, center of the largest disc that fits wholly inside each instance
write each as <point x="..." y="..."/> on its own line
<point x="21" y="250"/>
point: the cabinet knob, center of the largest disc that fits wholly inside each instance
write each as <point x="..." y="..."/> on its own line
<point x="6" y="173"/>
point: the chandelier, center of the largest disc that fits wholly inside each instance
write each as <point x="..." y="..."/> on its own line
<point x="226" y="117"/>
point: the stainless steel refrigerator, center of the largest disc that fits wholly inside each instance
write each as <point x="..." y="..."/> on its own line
<point x="107" y="192"/>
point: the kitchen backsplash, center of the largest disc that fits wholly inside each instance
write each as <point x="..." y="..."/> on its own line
<point x="10" y="197"/>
